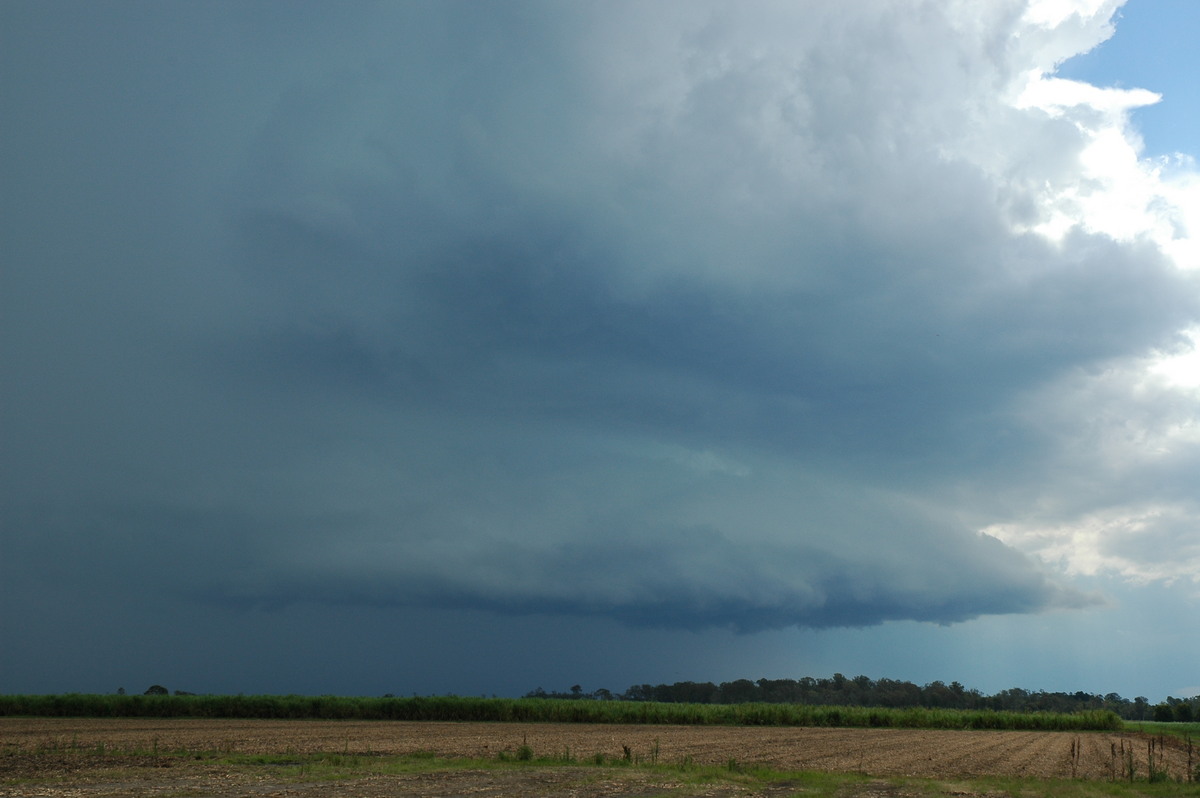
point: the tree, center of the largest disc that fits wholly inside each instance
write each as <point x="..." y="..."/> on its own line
<point x="156" y="689"/>
<point x="639" y="692"/>
<point x="740" y="691"/>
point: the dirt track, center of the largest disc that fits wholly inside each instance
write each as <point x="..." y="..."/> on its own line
<point x="878" y="752"/>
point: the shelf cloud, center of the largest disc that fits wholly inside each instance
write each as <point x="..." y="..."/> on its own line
<point x="682" y="315"/>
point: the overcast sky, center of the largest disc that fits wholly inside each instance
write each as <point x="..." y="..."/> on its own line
<point x="431" y="347"/>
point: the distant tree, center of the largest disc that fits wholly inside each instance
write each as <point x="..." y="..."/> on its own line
<point x="739" y="691"/>
<point x="1163" y="713"/>
<point x="156" y="689"/>
<point x="1013" y="699"/>
<point x="937" y="694"/>
<point x="686" y="692"/>
<point x="638" y="692"/>
<point x="896" y="693"/>
<point x="120" y="691"/>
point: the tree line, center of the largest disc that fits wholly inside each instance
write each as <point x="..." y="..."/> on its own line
<point x="889" y="693"/>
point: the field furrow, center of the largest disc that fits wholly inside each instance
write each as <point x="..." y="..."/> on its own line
<point x="880" y="752"/>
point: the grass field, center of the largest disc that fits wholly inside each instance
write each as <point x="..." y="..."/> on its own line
<point x="1183" y="731"/>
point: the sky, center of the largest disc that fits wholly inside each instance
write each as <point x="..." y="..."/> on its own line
<point x="447" y="347"/>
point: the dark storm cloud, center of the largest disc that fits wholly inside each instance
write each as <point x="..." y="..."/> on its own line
<point x="677" y="315"/>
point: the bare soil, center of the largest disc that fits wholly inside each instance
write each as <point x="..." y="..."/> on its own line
<point x="61" y="757"/>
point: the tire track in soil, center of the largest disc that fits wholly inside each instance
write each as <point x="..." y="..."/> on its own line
<point x="854" y="750"/>
<point x="939" y="753"/>
<point x="880" y="752"/>
<point x="1017" y="753"/>
<point x="1097" y="758"/>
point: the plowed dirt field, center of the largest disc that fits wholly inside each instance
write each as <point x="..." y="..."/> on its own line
<point x="59" y="757"/>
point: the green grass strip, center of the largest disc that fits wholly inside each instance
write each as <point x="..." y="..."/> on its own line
<point x="541" y="710"/>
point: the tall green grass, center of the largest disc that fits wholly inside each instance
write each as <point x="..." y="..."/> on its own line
<point x="539" y="710"/>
